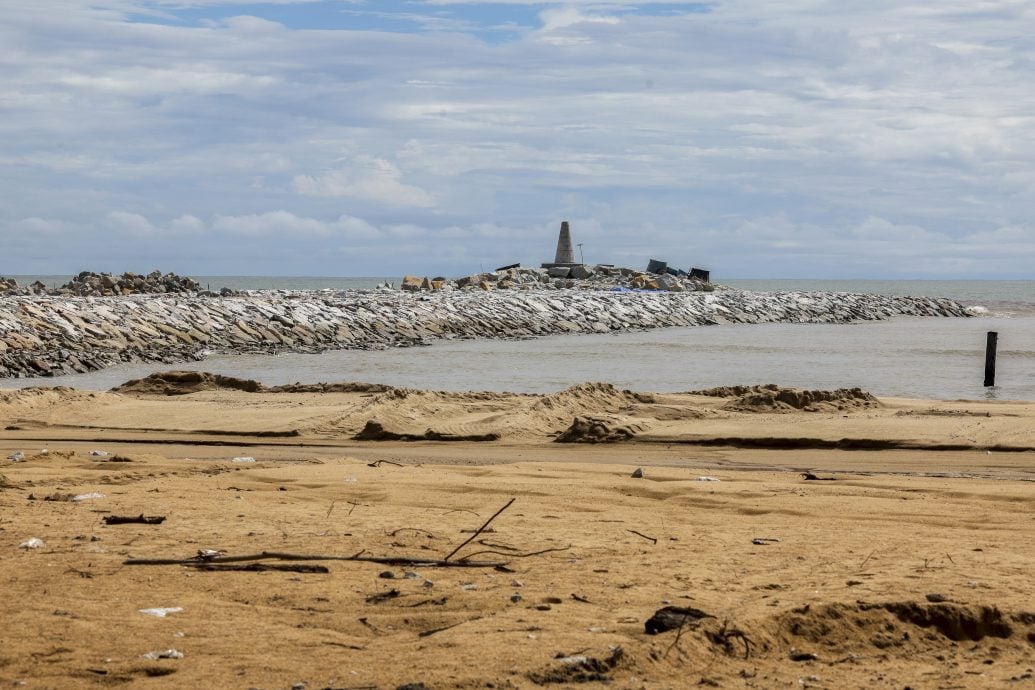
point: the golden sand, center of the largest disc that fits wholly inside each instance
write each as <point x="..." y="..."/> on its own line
<point x="912" y="566"/>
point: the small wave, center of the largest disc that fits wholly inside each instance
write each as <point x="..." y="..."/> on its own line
<point x="978" y="310"/>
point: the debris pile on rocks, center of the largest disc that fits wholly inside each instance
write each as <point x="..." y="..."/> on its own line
<point x="10" y="286"/>
<point x="658" y="277"/>
<point x="90" y="284"/>
<point x="55" y="335"/>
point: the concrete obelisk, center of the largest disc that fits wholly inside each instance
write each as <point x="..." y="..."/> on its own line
<point x="565" y="250"/>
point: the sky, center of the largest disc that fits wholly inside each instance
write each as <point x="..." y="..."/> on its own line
<point x="792" y="139"/>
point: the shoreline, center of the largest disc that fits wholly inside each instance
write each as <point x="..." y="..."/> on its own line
<point x="50" y="336"/>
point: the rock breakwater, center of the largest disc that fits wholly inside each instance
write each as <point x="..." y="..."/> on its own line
<point x="48" y="335"/>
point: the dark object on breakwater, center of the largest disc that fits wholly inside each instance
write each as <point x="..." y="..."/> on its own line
<point x="661" y="268"/>
<point x="990" y="347"/>
<point x="658" y="267"/>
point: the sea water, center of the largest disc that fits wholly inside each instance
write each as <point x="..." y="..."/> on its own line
<point x="939" y="358"/>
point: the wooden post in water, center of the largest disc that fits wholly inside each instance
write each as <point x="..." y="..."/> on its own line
<point x="990" y="346"/>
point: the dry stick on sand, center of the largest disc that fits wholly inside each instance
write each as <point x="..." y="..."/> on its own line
<point x="283" y="556"/>
<point x="478" y="531"/>
<point x="378" y="463"/>
<point x="640" y="534"/>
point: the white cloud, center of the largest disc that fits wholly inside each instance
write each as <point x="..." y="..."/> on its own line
<point x="133" y="223"/>
<point x="367" y="179"/>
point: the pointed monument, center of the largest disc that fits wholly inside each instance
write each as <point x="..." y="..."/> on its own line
<point x="565" y="257"/>
<point x="565" y="250"/>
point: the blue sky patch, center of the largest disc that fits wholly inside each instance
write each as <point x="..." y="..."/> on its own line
<point x="491" y="22"/>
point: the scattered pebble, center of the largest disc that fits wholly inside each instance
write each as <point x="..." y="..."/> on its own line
<point x="166" y="654"/>
<point x="88" y="496"/>
<point x="161" y="612"/>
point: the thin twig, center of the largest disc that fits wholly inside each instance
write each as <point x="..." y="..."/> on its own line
<point x="867" y="559"/>
<point x="493" y="545"/>
<point x="679" y="633"/>
<point x="639" y="534"/>
<point x="428" y="633"/>
<point x="512" y="555"/>
<point x="395" y="532"/>
<point x="461" y="510"/>
<point x="478" y="531"/>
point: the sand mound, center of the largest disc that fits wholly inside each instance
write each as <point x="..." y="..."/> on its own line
<point x="773" y="398"/>
<point x="580" y="399"/>
<point x="184" y="382"/>
<point x="598" y="430"/>
<point x="893" y="626"/>
<point x="34" y="398"/>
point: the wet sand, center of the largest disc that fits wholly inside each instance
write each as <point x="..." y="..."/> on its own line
<point x="911" y="566"/>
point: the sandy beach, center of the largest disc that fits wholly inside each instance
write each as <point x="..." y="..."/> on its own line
<point x="809" y="540"/>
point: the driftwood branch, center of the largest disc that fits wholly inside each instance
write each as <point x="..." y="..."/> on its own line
<point x="261" y="567"/>
<point x="478" y="531"/>
<point x="378" y="463"/>
<point x="283" y="556"/>
<point x="134" y="519"/>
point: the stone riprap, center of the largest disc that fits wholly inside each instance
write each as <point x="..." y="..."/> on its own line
<point x="47" y="335"/>
<point x="568" y="276"/>
<point x="90" y="284"/>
